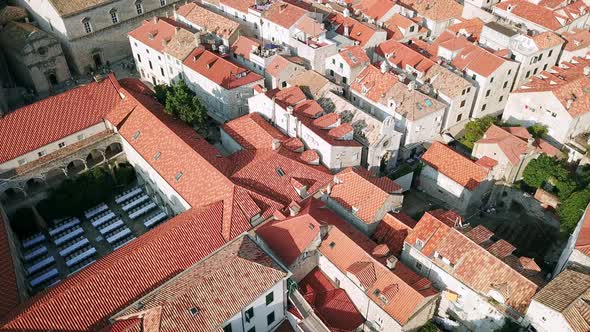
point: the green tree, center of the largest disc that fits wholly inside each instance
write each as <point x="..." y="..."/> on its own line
<point x="475" y="129"/>
<point x="542" y="169"/>
<point x="571" y="209"/>
<point x="162" y="92"/>
<point x="182" y="103"/>
<point x="565" y="188"/>
<point x="537" y="130"/>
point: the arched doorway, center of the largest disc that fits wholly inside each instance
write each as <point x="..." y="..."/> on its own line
<point x="34" y="185"/>
<point x="75" y="167"/>
<point x="113" y="149"/>
<point x="94" y="158"/>
<point x="12" y="194"/>
<point x="55" y="176"/>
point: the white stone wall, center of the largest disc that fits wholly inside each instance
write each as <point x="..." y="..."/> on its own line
<point x="332" y="156"/>
<point x="499" y="84"/>
<point x="369" y="309"/>
<point x="337" y="68"/>
<point x="540" y="107"/>
<point x="151" y="177"/>
<point x="261" y="310"/>
<point x="454" y="110"/>
<point x="151" y="64"/>
<point x="229" y="144"/>
<point x="438" y="185"/>
<point x="545" y="319"/>
<point x="52" y="147"/>
<point x="424" y="129"/>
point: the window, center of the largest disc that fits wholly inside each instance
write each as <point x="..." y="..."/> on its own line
<point x="474" y="76"/>
<point x="150" y="62"/>
<point x="500" y="100"/>
<point x="462" y="103"/>
<point x="540" y="56"/>
<point x="80" y="137"/>
<point x="22" y="161"/>
<point x="483" y="108"/>
<point x="550" y="52"/>
<point x="136" y="135"/>
<point x="162" y="71"/>
<point x="545" y="67"/>
<point x="157" y="156"/>
<point x="41" y="153"/>
<point x="114" y="16"/>
<point x="178" y="176"/>
<point x="463" y="92"/>
<point x="61" y="145"/>
<point x="488" y="93"/>
<point x="528" y="73"/>
<point x="343" y="80"/>
<point x="412" y="28"/>
<point x="459" y="117"/>
<point x="468" y="89"/>
<point x="270" y="297"/>
<point x="505" y="84"/>
<point x="491" y="80"/>
<point x="162" y="3"/>
<point x="331" y="72"/>
<point x="138" y="58"/>
<point x="341" y="65"/>
<point x="139" y="7"/>
<point x="509" y="71"/>
<point x="419" y="244"/>
<point x="535" y="71"/>
<point x="252" y="329"/>
<point x="270" y="318"/>
<point x="87" y="25"/>
<point x="249" y="314"/>
<point x="227" y="328"/>
<point x="418" y="266"/>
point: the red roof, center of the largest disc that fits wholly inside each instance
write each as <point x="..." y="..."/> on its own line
<point x="85" y="300"/>
<point x="472" y="264"/>
<point x="291" y="237"/>
<point x="392" y="231"/>
<point x="284" y="14"/>
<point x="355" y="56"/>
<point x="357" y="31"/>
<point x="9" y="295"/>
<point x="331" y="304"/>
<point x="356" y="188"/>
<point x="199" y="177"/>
<point x="243" y="46"/>
<point x="51" y="119"/>
<point x="374" y="9"/>
<point x="155" y="33"/>
<point x="220" y="70"/>
<point x="269" y="173"/>
<point x="455" y="166"/>
<point x="252" y="131"/>
<point x="219" y="286"/>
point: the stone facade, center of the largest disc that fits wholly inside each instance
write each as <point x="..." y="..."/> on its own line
<point x="35" y="57"/>
<point x="85" y="34"/>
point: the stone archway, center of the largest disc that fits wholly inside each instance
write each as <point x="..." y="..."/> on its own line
<point x="113" y="149"/>
<point x="12" y="194"/>
<point x="34" y="185"/>
<point x="55" y="176"/>
<point x="94" y="158"/>
<point x="76" y="166"/>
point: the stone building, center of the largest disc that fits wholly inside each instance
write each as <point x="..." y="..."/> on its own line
<point x="94" y="33"/>
<point x="35" y="57"/>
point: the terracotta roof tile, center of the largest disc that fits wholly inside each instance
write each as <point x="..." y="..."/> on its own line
<point x="576" y="39"/>
<point x="208" y="20"/>
<point x="331" y="304"/>
<point x="357" y="30"/>
<point x="392" y="231"/>
<point x="355" y="188"/>
<point x="220" y="70"/>
<point x="49" y="120"/>
<point x="240" y="5"/>
<point x="243" y="46"/>
<point x="252" y="131"/>
<point x="471" y="27"/>
<point x="374" y="9"/>
<point x="474" y="266"/>
<point x="156" y="33"/>
<point x="455" y="166"/>
<point x="552" y="18"/>
<point x="284" y="14"/>
<point x="436" y="10"/>
<point x="479" y="234"/>
<point x="9" y="293"/>
<point x="355" y="56"/>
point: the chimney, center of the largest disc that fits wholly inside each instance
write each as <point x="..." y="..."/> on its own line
<point x="176" y="30"/>
<point x="587" y="70"/>
<point x="391" y="262"/>
<point x="530" y="141"/>
<point x="384" y="67"/>
<point x="346" y="30"/>
<point x="276" y="144"/>
<point x="290" y="109"/>
<point x="346" y="12"/>
<point x="568" y="104"/>
<point x="155" y="19"/>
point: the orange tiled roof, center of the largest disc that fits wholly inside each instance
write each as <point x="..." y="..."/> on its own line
<point x="284" y="14"/>
<point x="355" y="56"/>
<point x="50" y="119"/>
<point x="355" y="187"/>
<point x="278" y="65"/>
<point x="436" y="10"/>
<point x="243" y="46"/>
<point x="455" y="166"/>
<point x="576" y="39"/>
<point x="208" y="20"/>
<point x="392" y="231"/>
<point x="219" y="286"/>
<point x="220" y="70"/>
<point x="583" y="240"/>
<point x="546" y="40"/>
<point x="472" y="27"/>
<point x="549" y="17"/>
<point x="374" y="9"/>
<point x="240" y="5"/>
<point x="357" y="31"/>
<point x="471" y="264"/>
<point x="252" y="131"/>
<point x="567" y="83"/>
<point x="155" y="33"/>
<point x="8" y="286"/>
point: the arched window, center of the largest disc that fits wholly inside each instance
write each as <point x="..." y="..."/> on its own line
<point x="87" y="25"/>
<point x="139" y="7"/>
<point x="114" y="16"/>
